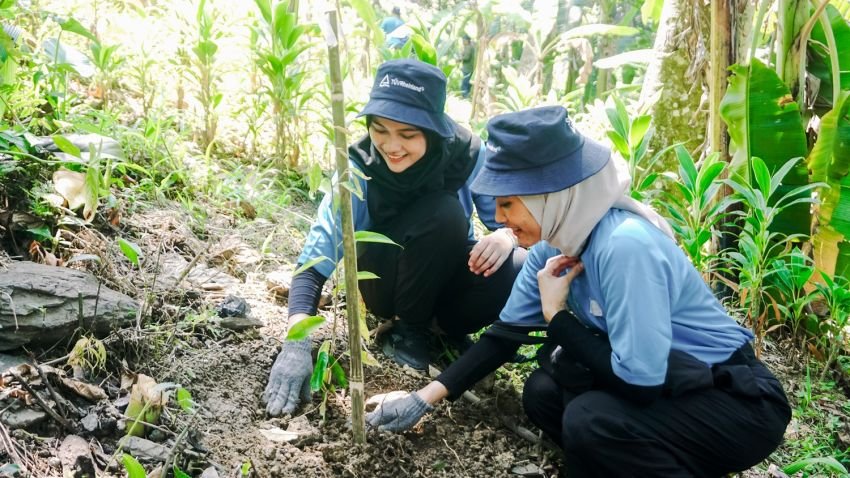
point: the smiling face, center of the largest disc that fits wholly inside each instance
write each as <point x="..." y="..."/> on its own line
<point x="400" y="144"/>
<point x="511" y="211"/>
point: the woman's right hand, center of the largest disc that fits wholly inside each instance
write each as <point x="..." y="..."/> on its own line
<point x="555" y="287"/>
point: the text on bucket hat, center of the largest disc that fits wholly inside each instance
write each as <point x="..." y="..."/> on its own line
<point x="536" y="151"/>
<point x="412" y="92"/>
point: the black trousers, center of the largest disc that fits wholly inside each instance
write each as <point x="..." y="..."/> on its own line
<point x="428" y="276"/>
<point x="708" y="432"/>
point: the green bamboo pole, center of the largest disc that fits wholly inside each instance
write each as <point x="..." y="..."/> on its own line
<point x="355" y="378"/>
<point x="721" y="38"/>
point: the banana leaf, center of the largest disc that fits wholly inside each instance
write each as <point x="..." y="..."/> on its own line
<point x="829" y="162"/>
<point x="819" y="63"/>
<point x="764" y="121"/>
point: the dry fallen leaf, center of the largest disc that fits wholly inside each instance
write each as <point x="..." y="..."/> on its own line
<point x="279" y="436"/>
<point x="71" y="185"/>
<point x="86" y="390"/>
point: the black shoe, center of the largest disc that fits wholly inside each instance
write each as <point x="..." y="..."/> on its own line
<point x="408" y="345"/>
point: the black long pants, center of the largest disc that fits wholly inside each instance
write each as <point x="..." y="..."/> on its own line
<point x="428" y="276"/>
<point x="702" y="433"/>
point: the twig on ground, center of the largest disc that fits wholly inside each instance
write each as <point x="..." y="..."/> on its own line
<point x="172" y="454"/>
<point x="521" y="431"/>
<point x="61" y="402"/>
<point x="459" y="462"/>
<point x="50" y="411"/>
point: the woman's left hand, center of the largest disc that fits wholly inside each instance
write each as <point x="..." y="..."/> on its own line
<point x="491" y="252"/>
<point x="554" y="287"/>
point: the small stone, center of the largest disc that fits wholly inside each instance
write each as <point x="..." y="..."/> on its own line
<point x="90" y="422"/>
<point x="54" y="462"/>
<point x="210" y="472"/>
<point x="156" y="435"/>
<point x="238" y="324"/>
<point x="22" y="418"/>
<point x="143" y="449"/>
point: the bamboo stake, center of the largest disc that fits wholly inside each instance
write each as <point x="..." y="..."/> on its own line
<point x="358" y="425"/>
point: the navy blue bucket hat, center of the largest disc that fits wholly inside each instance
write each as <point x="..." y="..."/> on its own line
<point x="536" y="151"/>
<point x="412" y="92"/>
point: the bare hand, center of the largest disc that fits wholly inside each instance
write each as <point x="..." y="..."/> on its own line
<point x="491" y="252"/>
<point x="555" y="287"/>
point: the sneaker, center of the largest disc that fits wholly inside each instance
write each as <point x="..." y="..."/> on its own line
<point x="408" y="345"/>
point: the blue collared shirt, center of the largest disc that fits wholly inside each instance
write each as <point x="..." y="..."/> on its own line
<point x="325" y="236"/>
<point x="640" y="290"/>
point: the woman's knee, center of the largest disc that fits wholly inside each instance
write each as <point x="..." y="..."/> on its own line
<point x="591" y="420"/>
<point x="539" y="393"/>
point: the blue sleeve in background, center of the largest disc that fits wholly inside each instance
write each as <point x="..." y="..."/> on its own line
<point x="485" y="206"/>
<point x="325" y="236"/>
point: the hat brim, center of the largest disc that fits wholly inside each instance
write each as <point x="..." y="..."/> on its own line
<point x="555" y="176"/>
<point x="404" y="113"/>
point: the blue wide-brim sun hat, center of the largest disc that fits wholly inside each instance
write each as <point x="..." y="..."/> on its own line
<point x="536" y="151"/>
<point x="412" y="92"/>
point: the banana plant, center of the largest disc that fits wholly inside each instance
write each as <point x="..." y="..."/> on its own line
<point x="765" y="122"/>
<point x="830" y="163"/>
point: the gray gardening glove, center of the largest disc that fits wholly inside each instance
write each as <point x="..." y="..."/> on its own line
<point x="289" y="380"/>
<point x="398" y="414"/>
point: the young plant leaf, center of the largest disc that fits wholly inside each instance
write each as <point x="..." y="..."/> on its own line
<point x="339" y="374"/>
<point x="184" y="399"/>
<point x="304" y="327"/>
<point x="133" y="467"/>
<point x="369" y="236"/>
<point x="312" y="262"/>
<point x="41" y="233"/>
<point x="322" y="359"/>
<point x="131" y="250"/>
<point x="366" y="275"/>
<point x="178" y="473"/>
<point x="245" y="468"/>
<point x="66" y="146"/>
<point x="73" y="26"/>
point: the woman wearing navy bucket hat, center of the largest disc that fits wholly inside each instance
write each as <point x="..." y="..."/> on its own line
<point x="420" y="164"/>
<point x="643" y="373"/>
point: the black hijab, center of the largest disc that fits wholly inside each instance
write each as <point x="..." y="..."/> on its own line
<point x="446" y="166"/>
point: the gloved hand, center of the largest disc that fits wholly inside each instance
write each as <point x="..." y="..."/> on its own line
<point x="488" y="254"/>
<point x="397" y="414"/>
<point x="289" y="380"/>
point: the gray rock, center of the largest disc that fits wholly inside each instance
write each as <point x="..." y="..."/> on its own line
<point x="9" y="361"/>
<point x="90" y="422"/>
<point x="210" y="472"/>
<point x="22" y="418"/>
<point x="75" y="456"/>
<point x="143" y="449"/>
<point x="238" y="323"/>
<point x="40" y="304"/>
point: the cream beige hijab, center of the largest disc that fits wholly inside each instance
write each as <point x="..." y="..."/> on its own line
<point x="567" y="217"/>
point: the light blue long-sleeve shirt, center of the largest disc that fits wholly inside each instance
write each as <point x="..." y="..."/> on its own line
<point x="640" y="290"/>
<point x="325" y="236"/>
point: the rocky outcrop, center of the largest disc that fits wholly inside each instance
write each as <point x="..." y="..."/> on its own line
<point x="42" y="304"/>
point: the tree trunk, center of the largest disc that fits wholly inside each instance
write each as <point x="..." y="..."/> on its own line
<point x="672" y="87"/>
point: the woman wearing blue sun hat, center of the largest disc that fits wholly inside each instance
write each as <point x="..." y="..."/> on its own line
<point x="643" y="373"/>
<point x="420" y="164"/>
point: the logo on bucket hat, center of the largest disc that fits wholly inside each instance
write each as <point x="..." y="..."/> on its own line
<point x="412" y="92"/>
<point x="536" y="151"/>
<point x="386" y="82"/>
